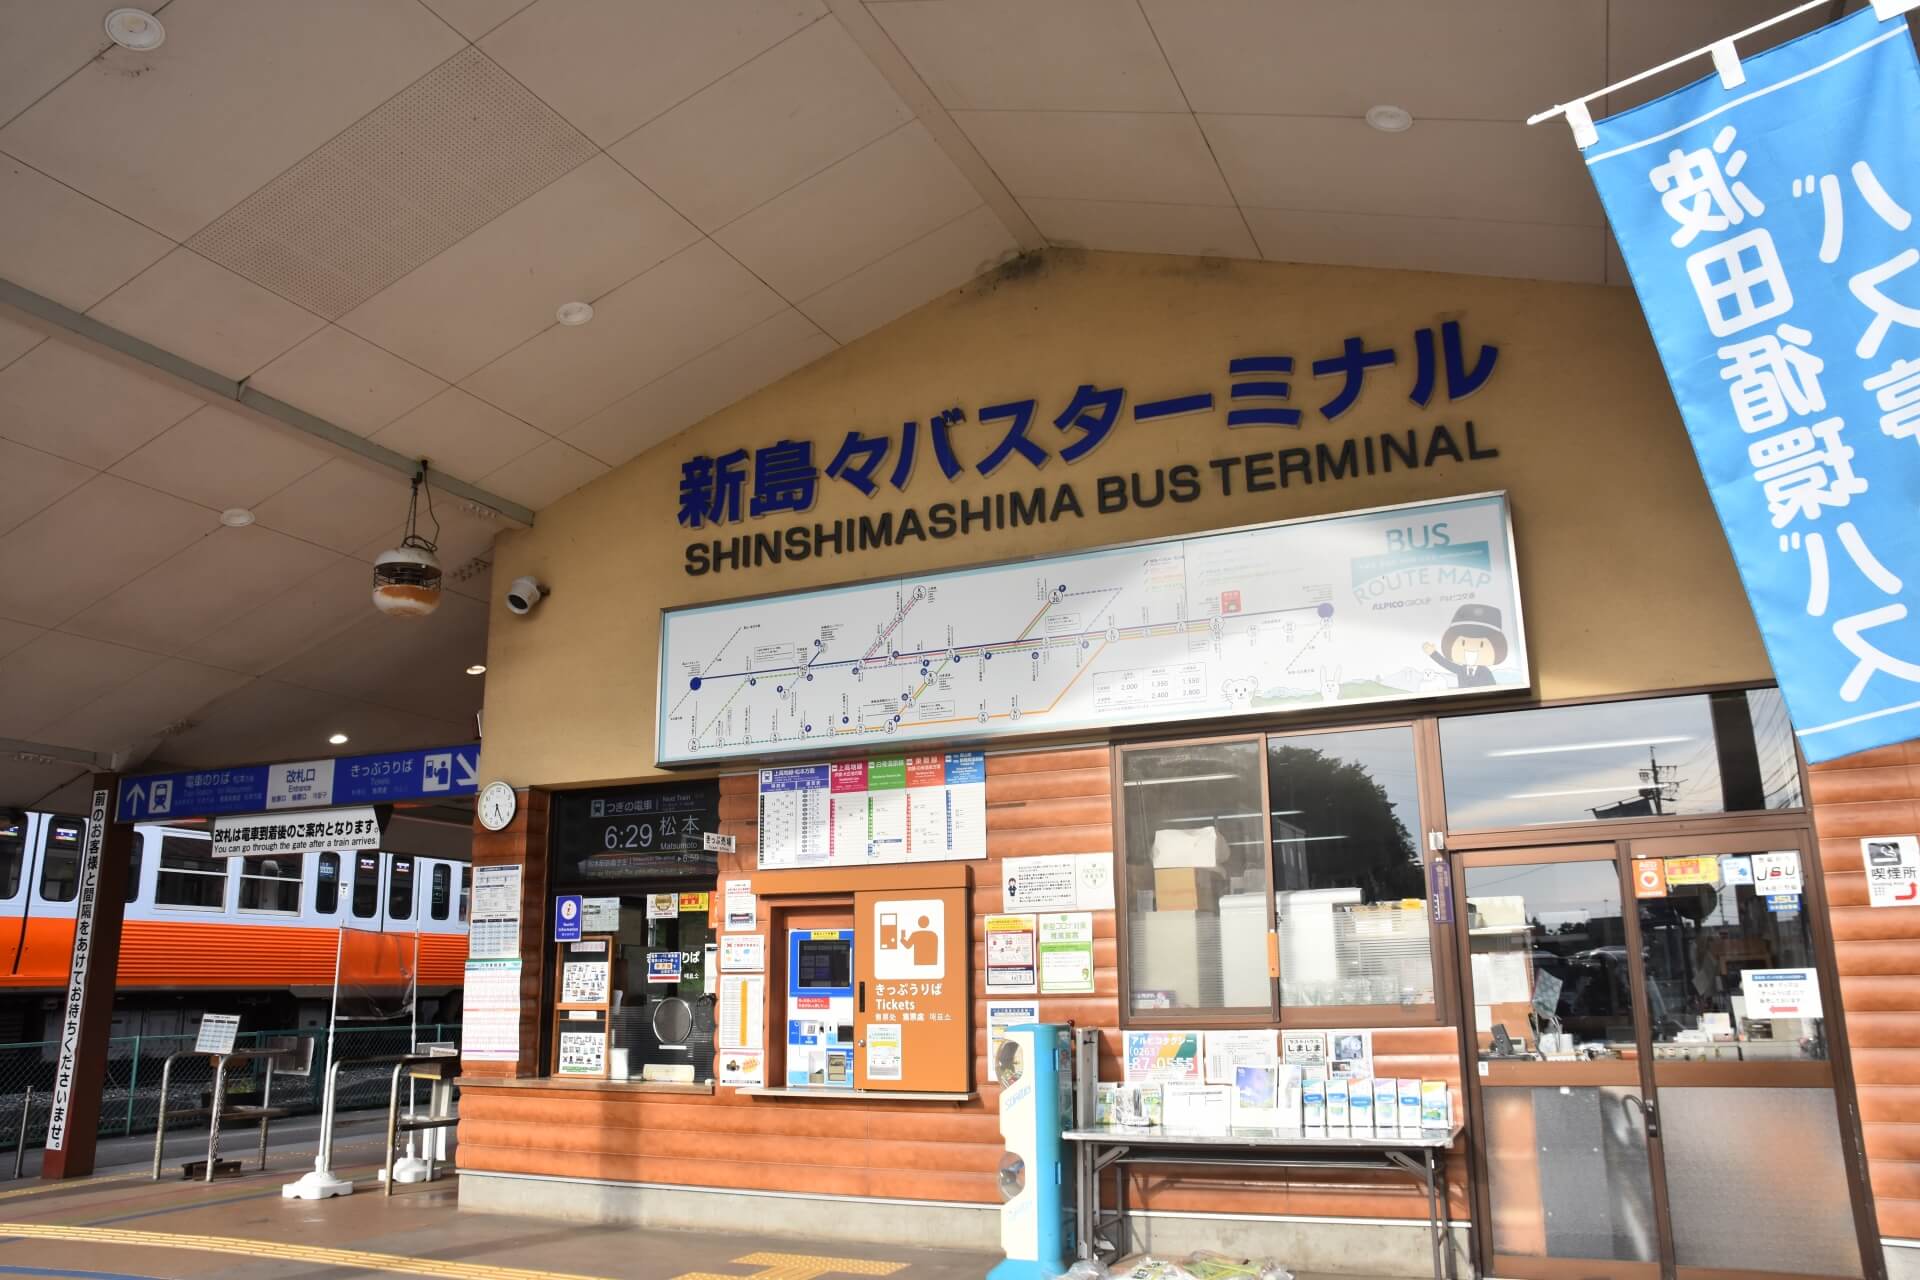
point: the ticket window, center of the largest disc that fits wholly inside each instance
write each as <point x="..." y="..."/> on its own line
<point x="820" y="1008"/>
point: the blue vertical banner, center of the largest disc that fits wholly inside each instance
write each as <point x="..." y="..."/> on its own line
<point x="1769" y="228"/>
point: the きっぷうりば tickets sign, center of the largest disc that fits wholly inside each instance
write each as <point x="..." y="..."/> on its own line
<point x="1770" y="231"/>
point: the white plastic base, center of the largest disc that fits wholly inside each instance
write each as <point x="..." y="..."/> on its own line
<point x="414" y="1169"/>
<point x="317" y="1185"/>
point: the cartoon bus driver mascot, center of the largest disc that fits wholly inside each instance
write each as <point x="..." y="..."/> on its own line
<point x="1472" y="646"/>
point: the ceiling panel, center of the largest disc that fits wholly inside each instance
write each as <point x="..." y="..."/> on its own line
<point x="654" y="323"/>
<point x="1098" y="155"/>
<point x="55" y="675"/>
<point x="339" y="505"/>
<point x="434" y="163"/>
<point x="1064" y="55"/>
<point x="415" y="664"/>
<point x="220" y="458"/>
<point x="15" y="634"/>
<point x="173" y="136"/>
<point x="1342" y="166"/>
<point x="16" y="340"/>
<point x="38" y="782"/>
<point x="135" y="714"/>
<point x="1207" y="231"/>
<point x="66" y="401"/>
<point x="203" y="312"/>
<point x="63" y="245"/>
<point x="462" y="435"/>
<point x="702" y="386"/>
<point x="270" y="720"/>
<point x="611" y="65"/>
<point x="32" y="481"/>
<point x="42" y="42"/>
<point x="786" y="115"/>
<point x="1646" y="33"/>
<point x="299" y="617"/>
<point x="1463" y="60"/>
<point x="92" y="542"/>
<point x="347" y="380"/>
<point x="1534" y="250"/>
<point x="208" y="584"/>
<point x="587" y="233"/>
<point x="909" y="276"/>
<point x="885" y="195"/>
<point x="545" y="476"/>
<point x="474" y="18"/>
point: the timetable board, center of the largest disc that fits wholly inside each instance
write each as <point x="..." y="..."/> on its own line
<point x="861" y="813"/>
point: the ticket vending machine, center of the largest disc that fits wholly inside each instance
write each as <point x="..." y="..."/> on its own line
<point x="1035" y="1067"/>
<point x="820" y="1009"/>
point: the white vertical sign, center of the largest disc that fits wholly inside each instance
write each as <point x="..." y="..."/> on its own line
<point x="77" y="979"/>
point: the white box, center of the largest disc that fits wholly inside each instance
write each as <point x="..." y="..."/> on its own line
<point x="1313" y="1099"/>
<point x="1409" y="1099"/>
<point x="1337" y="1099"/>
<point x="1244" y="921"/>
<point x="1189" y="847"/>
<point x="1360" y="1106"/>
<point x="1289" y="1096"/>
<point x="1179" y="952"/>
<point x="1436" y="1106"/>
<point x="1386" y="1107"/>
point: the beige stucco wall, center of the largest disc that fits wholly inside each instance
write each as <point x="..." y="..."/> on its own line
<point x="1626" y="580"/>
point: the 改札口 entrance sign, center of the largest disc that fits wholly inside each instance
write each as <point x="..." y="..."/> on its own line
<point x="1374" y="606"/>
<point x="1769" y="227"/>
<point x="431" y="774"/>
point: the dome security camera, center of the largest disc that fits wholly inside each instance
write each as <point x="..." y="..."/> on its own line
<point x="523" y="594"/>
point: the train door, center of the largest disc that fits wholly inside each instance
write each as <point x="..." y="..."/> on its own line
<point x="53" y="884"/>
<point x="363" y="892"/>
<point x="398" y="905"/>
<point x="17" y="831"/>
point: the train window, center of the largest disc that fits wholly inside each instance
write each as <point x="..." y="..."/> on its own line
<point x="189" y="875"/>
<point x="366" y="886"/>
<point x="400" y="889"/>
<point x="441" y="890"/>
<point x="133" y="866"/>
<point x="466" y="881"/>
<point x="60" y="874"/>
<point x="13" y="853"/>
<point x="270" y="882"/>
<point x="326" y="889"/>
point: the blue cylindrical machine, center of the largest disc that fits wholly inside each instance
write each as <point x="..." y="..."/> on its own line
<point x="1035" y="1067"/>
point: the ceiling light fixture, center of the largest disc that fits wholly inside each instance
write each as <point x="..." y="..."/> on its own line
<point x="135" y="29"/>
<point x="1390" y="119"/>
<point x="477" y="669"/>
<point x="338" y="739"/>
<point x="236" y="517"/>
<point x="574" y="314"/>
<point x="406" y="578"/>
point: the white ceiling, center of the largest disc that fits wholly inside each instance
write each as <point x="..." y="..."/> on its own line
<point x="370" y="209"/>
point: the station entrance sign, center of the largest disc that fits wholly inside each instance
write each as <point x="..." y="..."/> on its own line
<point x="430" y="774"/>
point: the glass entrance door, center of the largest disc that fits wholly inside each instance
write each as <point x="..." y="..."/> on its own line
<point x="1651" y="1060"/>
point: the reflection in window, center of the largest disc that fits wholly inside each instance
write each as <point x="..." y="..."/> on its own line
<point x="270" y="882"/>
<point x="400" y="888"/>
<point x="1197" y="893"/>
<point x="440" y="890"/>
<point x="133" y="866"/>
<point x="190" y="876"/>
<point x="1549" y="967"/>
<point x="326" y="884"/>
<point x="60" y="866"/>
<point x="366" y="885"/>
<point x="1349" y="884"/>
<point x="1704" y="753"/>
<point x="1730" y="972"/>
<point x="13" y="854"/>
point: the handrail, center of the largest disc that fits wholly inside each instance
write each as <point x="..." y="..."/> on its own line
<point x="393" y="1111"/>
<point x="219" y="1101"/>
<point x="327" y="1100"/>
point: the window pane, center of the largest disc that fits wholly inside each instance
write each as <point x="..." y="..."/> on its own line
<point x="400" y="889"/>
<point x="466" y="883"/>
<point x="326" y="887"/>
<point x="441" y="890"/>
<point x="1729" y="972"/>
<point x="1196" y="877"/>
<point x="1350" y="887"/>
<point x="189" y="875"/>
<point x="270" y="883"/>
<point x="133" y="866"/>
<point x="366" y="886"/>
<point x="60" y="868"/>
<point x="13" y="854"/>
<point x="1552" y="933"/>
<point x="1704" y="753"/>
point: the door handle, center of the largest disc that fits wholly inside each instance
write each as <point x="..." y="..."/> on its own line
<point x="1649" y="1112"/>
<point x="863" y="996"/>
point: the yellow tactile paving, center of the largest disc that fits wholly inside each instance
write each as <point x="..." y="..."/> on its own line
<point x="799" y="1266"/>
<point x="389" y="1262"/>
<point x="39" y="1187"/>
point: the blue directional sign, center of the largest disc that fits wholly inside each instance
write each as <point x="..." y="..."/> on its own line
<point x="432" y="774"/>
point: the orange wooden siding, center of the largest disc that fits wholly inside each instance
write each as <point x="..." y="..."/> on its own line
<point x="1877" y="793"/>
<point x="1037" y="803"/>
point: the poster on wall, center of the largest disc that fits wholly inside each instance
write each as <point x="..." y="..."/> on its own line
<point x="743" y="1067"/>
<point x="1002" y="1014"/>
<point x="1406" y="602"/>
<point x="1012" y="955"/>
<point x="742" y="1002"/>
<point x="862" y="813"/>
<point x="1892" y="864"/>
<point x="583" y="1053"/>
<point x="742" y="907"/>
<point x="1058" y="882"/>
<point x="743" y="953"/>
<point x="490" y="1030"/>
<point x="1157" y="1056"/>
<point x="493" y="925"/>
<point x="1066" y="953"/>
<point x="584" y="982"/>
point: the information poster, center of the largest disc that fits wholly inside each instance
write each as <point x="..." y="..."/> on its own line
<point x="1066" y="953"/>
<point x="663" y="906"/>
<point x="1012" y="955"/>
<point x="583" y="1053"/>
<point x="217" y="1032"/>
<point x="1781" y="993"/>
<point x="743" y="953"/>
<point x="742" y="910"/>
<point x="493" y="926"/>
<point x="1159" y="1056"/>
<point x="583" y="982"/>
<point x="1227" y="1051"/>
<point x="884" y="1059"/>
<point x="860" y="813"/>
<point x="1893" y="870"/>
<point x="490" y="1024"/>
<point x="1350" y="1054"/>
<point x="1777" y="873"/>
<point x="665" y="966"/>
<point x="742" y="1003"/>
<point x="600" y="915"/>
<point x="1002" y="1014"/>
<point x="743" y="1067"/>
<point x="1303" y="1048"/>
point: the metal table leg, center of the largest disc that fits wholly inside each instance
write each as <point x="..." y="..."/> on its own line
<point x="213" y="1124"/>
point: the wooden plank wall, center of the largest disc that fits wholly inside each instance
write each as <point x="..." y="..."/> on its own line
<point x="1877" y="793"/>
<point x="524" y="842"/>
<point x="1037" y="803"/>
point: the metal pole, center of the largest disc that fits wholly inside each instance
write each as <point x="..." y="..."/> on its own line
<point x="160" y="1129"/>
<point x="393" y="1119"/>
<point x="324" y="1161"/>
<point x="20" y="1147"/>
<point x="133" y="1085"/>
<point x="219" y="1101"/>
<point x="266" y="1107"/>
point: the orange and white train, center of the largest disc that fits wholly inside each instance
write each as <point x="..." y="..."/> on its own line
<point x="254" y="934"/>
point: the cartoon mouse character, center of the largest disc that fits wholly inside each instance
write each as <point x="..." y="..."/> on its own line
<point x="1472" y="644"/>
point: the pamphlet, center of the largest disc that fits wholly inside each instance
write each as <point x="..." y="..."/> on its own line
<point x="1197" y="1108"/>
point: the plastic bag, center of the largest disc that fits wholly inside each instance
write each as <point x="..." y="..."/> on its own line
<point x="1207" y="1265"/>
<point x="1087" y="1269"/>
